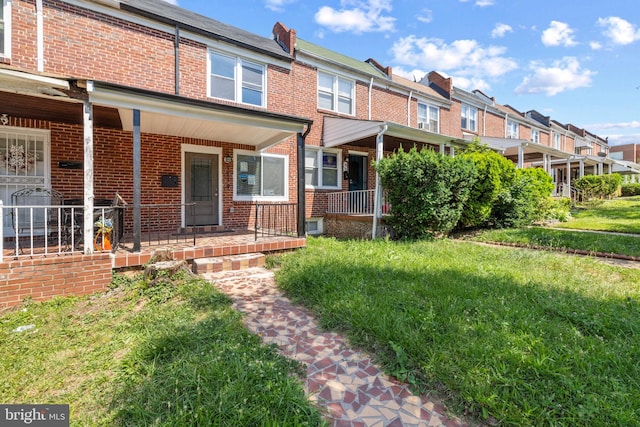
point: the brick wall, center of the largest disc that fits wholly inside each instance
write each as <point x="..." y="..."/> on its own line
<point x="43" y="278"/>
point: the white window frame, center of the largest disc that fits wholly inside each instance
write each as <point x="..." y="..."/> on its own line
<point x="6" y="20"/>
<point x="319" y="226"/>
<point x="335" y="92"/>
<point x="557" y="141"/>
<point x="469" y="116"/>
<point x="513" y="129"/>
<point x="535" y="136"/>
<point x="320" y="167"/>
<point x="237" y="77"/>
<point x="261" y="196"/>
<point x="426" y="119"/>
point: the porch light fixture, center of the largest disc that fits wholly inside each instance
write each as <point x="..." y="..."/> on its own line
<point x="4" y="119"/>
<point x="227" y="159"/>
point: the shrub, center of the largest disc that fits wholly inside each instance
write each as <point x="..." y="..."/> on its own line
<point x="599" y="186"/>
<point x="426" y="190"/>
<point x="630" y="190"/>
<point x="495" y="176"/>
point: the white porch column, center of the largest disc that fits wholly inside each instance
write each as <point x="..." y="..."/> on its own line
<point x="568" y="174"/>
<point x="520" y="156"/>
<point x="600" y="171"/>
<point x="137" y="180"/>
<point x="452" y="151"/>
<point x="87" y="231"/>
<point x="581" y="170"/>
<point x="377" y="199"/>
<point x="442" y="149"/>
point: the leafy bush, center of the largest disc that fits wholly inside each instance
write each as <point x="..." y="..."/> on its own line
<point x="426" y="190"/>
<point x="559" y="209"/>
<point x="496" y="174"/>
<point x="527" y="199"/>
<point x="599" y="186"/>
<point x="630" y="190"/>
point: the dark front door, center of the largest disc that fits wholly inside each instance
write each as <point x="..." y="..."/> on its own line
<point x="201" y="180"/>
<point x="357" y="172"/>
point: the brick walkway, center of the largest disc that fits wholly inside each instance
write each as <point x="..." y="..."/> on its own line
<point x="341" y="380"/>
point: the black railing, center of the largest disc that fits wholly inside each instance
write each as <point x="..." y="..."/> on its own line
<point x="276" y="220"/>
<point x="162" y="223"/>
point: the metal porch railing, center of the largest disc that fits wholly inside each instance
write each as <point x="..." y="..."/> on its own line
<point x="276" y="219"/>
<point x="360" y="202"/>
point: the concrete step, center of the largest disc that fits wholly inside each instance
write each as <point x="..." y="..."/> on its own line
<point x="228" y="263"/>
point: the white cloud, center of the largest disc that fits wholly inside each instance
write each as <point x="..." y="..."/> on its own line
<point x="620" y="139"/>
<point x="425" y="16"/>
<point x="464" y="58"/>
<point x="618" y="30"/>
<point x="173" y="2"/>
<point x="357" y="16"/>
<point x="277" y="5"/>
<point x="500" y="30"/>
<point x="558" y="34"/>
<point x="595" y="45"/>
<point x="634" y="124"/>
<point x="484" y="3"/>
<point x="562" y="75"/>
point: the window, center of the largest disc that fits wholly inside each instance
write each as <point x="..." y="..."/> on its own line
<point x="321" y="168"/>
<point x="260" y="176"/>
<point x="236" y="79"/>
<point x="314" y="225"/>
<point x="469" y="118"/>
<point x="428" y="118"/>
<point x="335" y="93"/>
<point x="535" y="136"/>
<point x="5" y="28"/>
<point x="512" y="129"/>
<point x="557" y="141"/>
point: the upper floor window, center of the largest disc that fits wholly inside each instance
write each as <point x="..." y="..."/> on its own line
<point x="469" y="117"/>
<point x="535" y="136"/>
<point x="335" y="93"/>
<point x="236" y="79"/>
<point x="5" y="28"/>
<point x="321" y="168"/>
<point x="260" y="176"/>
<point x="428" y="118"/>
<point x="512" y="129"/>
<point x="557" y="141"/>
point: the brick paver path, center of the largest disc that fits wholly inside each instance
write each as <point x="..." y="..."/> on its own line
<point x="341" y="380"/>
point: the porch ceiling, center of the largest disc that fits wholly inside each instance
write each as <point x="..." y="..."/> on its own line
<point x="338" y="131"/>
<point x="532" y="151"/>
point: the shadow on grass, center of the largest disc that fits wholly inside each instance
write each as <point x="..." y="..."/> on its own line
<point x="195" y="364"/>
<point x="527" y="349"/>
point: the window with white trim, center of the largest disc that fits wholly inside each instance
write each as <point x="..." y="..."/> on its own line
<point x="322" y="168"/>
<point x="428" y="117"/>
<point x="469" y="116"/>
<point x="260" y="176"/>
<point x="314" y="226"/>
<point x="5" y="28"/>
<point x="335" y="93"/>
<point x="512" y="129"/>
<point x="535" y="136"/>
<point x="236" y="79"/>
<point x="557" y="141"/>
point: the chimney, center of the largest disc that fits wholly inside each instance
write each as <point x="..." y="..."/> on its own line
<point x="285" y="37"/>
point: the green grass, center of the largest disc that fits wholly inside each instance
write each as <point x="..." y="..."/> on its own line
<point x="620" y="215"/>
<point x="530" y="338"/>
<point x="564" y="239"/>
<point x="174" y="354"/>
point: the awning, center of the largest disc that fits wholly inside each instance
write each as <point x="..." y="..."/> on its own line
<point x="509" y="147"/>
<point x="338" y="131"/>
<point x="179" y="116"/>
<point x="625" y="167"/>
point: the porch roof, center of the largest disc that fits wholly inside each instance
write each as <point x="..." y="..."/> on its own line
<point x="625" y="167"/>
<point x="338" y="131"/>
<point x="532" y="150"/>
<point x="175" y="115"/>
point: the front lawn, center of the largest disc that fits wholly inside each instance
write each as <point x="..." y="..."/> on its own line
<point x="620" y="215"/>
<point x="525" y="337"/>
<point x="173" y="354"/>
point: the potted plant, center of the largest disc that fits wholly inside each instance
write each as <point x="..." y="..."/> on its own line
<point x="102" y="240"/>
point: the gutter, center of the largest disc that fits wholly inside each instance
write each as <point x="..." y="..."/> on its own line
<point x="377" y="200"/>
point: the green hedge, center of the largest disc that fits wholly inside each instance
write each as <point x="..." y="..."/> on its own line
<point x="599" y="186"/>
<point x="630" y="190"/>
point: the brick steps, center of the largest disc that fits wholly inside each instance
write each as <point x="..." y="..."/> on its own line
<point x="228" y="263"/>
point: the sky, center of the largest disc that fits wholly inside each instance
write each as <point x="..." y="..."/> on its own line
<point x="577" y="61"/>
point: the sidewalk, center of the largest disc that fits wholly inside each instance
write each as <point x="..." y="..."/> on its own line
<point x="341" y="380"/>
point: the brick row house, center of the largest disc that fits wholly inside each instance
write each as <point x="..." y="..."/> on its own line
<point x="198" y="125"/>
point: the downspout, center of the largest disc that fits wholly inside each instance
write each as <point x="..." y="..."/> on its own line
<point x="176" y="50"/>
<point x="301" y="187"/>
<point x="377" y="200"/>
<point x="370" y="90"/>
<point x="506" y="125"/>
<point x="484" y="122"/>
<point x="39" y="36"/>
<point x="409" y="108"/>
